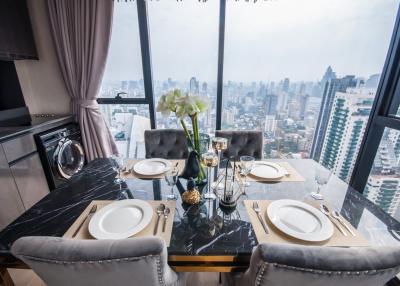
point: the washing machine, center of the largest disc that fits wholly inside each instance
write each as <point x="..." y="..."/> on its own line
<point x="61" y="153"/>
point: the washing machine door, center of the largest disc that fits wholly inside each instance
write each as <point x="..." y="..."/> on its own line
<point x="69" y="158"/>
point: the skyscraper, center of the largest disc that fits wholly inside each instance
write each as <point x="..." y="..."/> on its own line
<point x="271" y="104"/>
<point x="332" y="86"/>
<point x="345" y="131"/>
<point x="285" y="85"/>
<point x="194" y="86"/>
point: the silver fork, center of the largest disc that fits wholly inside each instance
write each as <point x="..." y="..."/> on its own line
<point x="257" y="210"/>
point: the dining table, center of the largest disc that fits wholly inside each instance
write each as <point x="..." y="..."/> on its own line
<point x="205" y="237"/>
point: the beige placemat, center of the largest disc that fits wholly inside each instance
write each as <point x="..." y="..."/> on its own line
<point x="293" y="176"/>
<point x="133" y="175"/>
<point x="276" y="236"/>
<point x="148" y="231"/>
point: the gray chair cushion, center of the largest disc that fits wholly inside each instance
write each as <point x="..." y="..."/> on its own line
<point x="242" y="143"/>
<point x="134" y="261"/>
<point x="275" y="264"/>
<point x="166" y="143"/>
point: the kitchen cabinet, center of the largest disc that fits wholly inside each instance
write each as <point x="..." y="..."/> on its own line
<point x="11" y="205"/>
<point x="30" y="179"/>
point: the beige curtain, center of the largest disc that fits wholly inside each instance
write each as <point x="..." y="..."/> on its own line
<point x="81" y="31"/>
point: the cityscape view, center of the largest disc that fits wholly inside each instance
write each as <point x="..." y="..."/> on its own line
<point x="314" y="103"/>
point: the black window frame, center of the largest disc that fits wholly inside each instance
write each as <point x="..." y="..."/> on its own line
<point x="385" y="104"/>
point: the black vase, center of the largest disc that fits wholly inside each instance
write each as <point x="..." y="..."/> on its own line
<point x="192" y="167"/>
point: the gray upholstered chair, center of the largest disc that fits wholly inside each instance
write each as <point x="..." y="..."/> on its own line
<point x="275" y="264"/>
<point x="134" y="261"/>
<point x="166" y="143"/>
<point x="242" y="143"/>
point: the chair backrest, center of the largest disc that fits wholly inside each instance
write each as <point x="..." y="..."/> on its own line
<point x="242" y="143"/>
<point x="275" y="264"/>
<point x="60" y="261"/>
<point x="166" y="143"/>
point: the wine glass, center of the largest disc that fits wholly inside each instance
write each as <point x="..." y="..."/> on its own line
<point x="171" y="177"/>
<point x="246" y="165"/>
<point x="322" y="176"/>
<point x="219" y="144"/>
<point x="117" y="165"/>
<point x="210" y="160"/>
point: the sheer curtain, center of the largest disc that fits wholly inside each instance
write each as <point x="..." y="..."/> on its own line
<point x="81" y="31"/>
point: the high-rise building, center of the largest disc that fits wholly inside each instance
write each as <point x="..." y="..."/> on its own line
<point x="346" y="125"/>
<point x="270" y="124"/>
<point x="204" y="88"/>
<point x="271" y="104"/>
<point x="194" y="86"/>
<point x="331" y="88"/>
<point x="303" y="105"/>
<point x="285" y="85"/>
<point x="383" y="185"/>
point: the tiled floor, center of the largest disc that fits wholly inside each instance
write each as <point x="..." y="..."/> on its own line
<point x="28" y="278"/>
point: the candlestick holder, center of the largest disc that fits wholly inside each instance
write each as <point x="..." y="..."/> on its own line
<point x="232" y="188"/>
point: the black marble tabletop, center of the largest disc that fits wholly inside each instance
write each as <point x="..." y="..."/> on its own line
<point x="201" y="230"/>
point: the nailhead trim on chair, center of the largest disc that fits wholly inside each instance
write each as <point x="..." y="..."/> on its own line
<point x="90" y="261"/>
<point x="370" y="272"/>
<point x="159" y="271"/>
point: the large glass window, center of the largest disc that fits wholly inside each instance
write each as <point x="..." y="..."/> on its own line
<point x="184" y="50"/>
<point x="383" y="186"/>
<point x="305" y="73"/>
<point x="124" y="73"/>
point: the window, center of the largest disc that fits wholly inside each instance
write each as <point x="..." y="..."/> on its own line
<point x="305" y="73"/>
<point x="123" y="71"/>
<point x="124" y="77"/>
<point x="383" y="185"/>
<point x="184" y="49"/>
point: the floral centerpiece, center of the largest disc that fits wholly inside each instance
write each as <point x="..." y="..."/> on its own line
<point x="185" y="106"/>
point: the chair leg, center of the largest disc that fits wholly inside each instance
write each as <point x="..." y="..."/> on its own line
<point x="5" y="278"/>
<point x="220" y="279"/>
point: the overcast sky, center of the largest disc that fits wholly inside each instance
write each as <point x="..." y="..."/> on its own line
<point x="268" y="40"/>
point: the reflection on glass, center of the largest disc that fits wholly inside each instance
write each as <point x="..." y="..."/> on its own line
<point x="127" y="123"/>
<point x="383" y="185"/>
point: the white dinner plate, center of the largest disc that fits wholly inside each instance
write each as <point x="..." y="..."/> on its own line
<point x="268" y="170"/>
<point x="300" y="220"/>
<point x="120" y="219"/>
<point x="151" y="167"/>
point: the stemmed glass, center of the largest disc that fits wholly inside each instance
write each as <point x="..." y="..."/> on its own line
<point x="322" y="176"/>
<point x="117" y="165"/>
<point x="246" y="165"/>
<point x="171" y="177"/>
<point x="210" y="160"/>
<point x="219" y="144"/>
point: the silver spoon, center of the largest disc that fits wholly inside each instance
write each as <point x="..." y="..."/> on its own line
<point x="337" y="216"/>
<point x="166" y="213"/>
<point x="325" y="210"/>
<point x="160" y="211"/>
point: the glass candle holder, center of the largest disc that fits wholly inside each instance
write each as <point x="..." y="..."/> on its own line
<point x="210" y="160"/>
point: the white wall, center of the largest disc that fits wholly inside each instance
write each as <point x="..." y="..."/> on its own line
<point x="41" y="81"/>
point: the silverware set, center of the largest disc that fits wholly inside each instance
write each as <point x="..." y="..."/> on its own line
<point x="257" y="210"/>
<point x="164" y="211"/>
<point x="337" y="220"/>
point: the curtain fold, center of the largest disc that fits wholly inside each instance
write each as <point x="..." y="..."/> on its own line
<point x="81" y="31"/>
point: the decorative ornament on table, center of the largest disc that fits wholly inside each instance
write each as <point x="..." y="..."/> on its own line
<point x="186" y="106"/>
<point x="191" y="196"/>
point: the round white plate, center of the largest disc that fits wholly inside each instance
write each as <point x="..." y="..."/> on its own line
<point x="150" y="167"/>
<point x="267" y="170"/>
<point x="120" y="219"/>
<point x="300" y="220"/>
